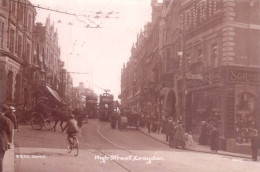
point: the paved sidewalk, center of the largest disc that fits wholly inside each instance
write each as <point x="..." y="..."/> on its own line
<point x="196" y="147"/>
<point x="9" y="160"/>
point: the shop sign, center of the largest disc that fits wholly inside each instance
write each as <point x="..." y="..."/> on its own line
<point x="210" y="78"/>
<point x="236" y="75"/>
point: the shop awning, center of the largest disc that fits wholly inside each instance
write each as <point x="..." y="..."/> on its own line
<point x="55" y="95"/>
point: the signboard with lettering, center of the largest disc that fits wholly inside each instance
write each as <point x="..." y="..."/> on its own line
<point x="107" y="99"/>
<point x="238" y="75"/>
<point x="210" y="78"/>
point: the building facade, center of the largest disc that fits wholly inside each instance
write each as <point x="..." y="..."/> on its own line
<point x="206" y="67"/>
<point x="16" y="27"/>
<point x="29" y="56"/>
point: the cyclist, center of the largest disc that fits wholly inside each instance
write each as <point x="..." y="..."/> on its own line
<point x="72" y="127"/>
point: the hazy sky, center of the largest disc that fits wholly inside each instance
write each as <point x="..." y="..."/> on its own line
<point x="99" y="52"/>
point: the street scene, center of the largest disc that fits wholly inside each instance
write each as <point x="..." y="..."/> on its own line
<point x="129" y="85"/>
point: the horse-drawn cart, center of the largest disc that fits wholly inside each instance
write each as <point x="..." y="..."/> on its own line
<point x="46" y="113"/>
<point x="42" y="117"/>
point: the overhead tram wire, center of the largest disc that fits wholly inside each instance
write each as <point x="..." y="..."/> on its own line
<point x="54" y="10"/>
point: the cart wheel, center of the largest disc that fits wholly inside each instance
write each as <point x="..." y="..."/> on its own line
<point x="36" y="121"/>
<point x="49" y="123"/>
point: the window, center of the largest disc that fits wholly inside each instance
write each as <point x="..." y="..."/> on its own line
<point x="214" y="55"/>
<point x="1" y="34"/>
<point x="19" y="52"/>
<point x="28" y="50"/>
<point x="4" y="3"/>
<point x="21" y="12"/>
<point x="11" y="46"/>
<point x="9" y="83"/>
<point x="29" y="22"/>
<point x="13" y="8"/>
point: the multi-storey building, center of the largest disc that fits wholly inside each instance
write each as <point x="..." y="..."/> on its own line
<point x="48" y="46"/>
<point x="16" y="27"/>
<point x="207" y="65"/>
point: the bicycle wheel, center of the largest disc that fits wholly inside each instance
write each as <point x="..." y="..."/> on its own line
<point x="49" y="123"/>
<point x="36" y="121"/>
<point x="75" y="146"/>
<point x="69" y="146"/>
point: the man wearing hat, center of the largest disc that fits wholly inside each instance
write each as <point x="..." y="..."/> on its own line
<point x="255" y="145"/>
<point x="71" y="127"/>
<point x="13" y="122"/>
<point x="5" y="133"/>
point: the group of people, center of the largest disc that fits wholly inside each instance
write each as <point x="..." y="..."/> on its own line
<point x="8" y="125"/>
<point x="174" y="132"/>
<point x="209" y="135"/>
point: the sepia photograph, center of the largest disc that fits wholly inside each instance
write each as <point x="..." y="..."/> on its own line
<point x="129" y="85"/>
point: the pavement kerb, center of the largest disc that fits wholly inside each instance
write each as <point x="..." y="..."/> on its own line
<point x="8" y="164"/>
<point x="201" y="151"/>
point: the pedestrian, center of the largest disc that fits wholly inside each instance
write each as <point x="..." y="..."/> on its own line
<point x="179" y="136"/>
<point x="172" y="133"/>
<point x="8" y="112"/>
<point x="203" y="134"/>
<point x="167" y="130"/>
<point x="214" y="139"/>
<point x="164" y="125"/>
<point x="5" y="133"/>
<point x="255" y="145"/>
<point x="148" y="124"/>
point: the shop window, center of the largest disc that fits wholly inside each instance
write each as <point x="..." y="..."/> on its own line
<point x="245" y="121"/>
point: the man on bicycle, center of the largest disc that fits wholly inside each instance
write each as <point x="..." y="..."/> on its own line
<point x="71" y="126"/>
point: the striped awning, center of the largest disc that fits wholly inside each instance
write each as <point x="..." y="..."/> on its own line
<point x="55" y="95"/>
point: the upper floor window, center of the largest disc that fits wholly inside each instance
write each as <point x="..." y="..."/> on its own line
<point x="21" y="12"/>
<point x="4" y="3"/>
<point x="13" y="6"/>
<point x="214" y="55"/>
<point x="29" y="22"/>
<point x="19" y="46"/>
<point x="1" y="34"/>
<point x="28" y="52"/>
<point x="11" y="42"/>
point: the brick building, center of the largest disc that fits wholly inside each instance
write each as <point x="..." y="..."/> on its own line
<point x="16" y="27"/>
<point x="206" y="66"/>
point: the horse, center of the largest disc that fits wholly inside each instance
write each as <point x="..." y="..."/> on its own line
<point x="61" y="116"/>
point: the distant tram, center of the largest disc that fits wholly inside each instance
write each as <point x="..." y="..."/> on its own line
<point x="106" y="106"/>
<point x="91" y="106"/>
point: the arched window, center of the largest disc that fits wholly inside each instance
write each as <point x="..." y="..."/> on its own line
<point x="9" y="86"/>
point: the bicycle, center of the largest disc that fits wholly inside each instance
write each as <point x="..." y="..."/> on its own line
<point x="73" y="144"/>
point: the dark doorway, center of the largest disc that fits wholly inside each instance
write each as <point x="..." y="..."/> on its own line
<point x="170" y="105"/>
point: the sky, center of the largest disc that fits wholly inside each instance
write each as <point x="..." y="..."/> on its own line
<point x="99" y="52"/>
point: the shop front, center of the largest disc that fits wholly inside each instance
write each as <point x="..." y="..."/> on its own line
<point x="226" y="97"/>
<point x="11" y="80"/>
